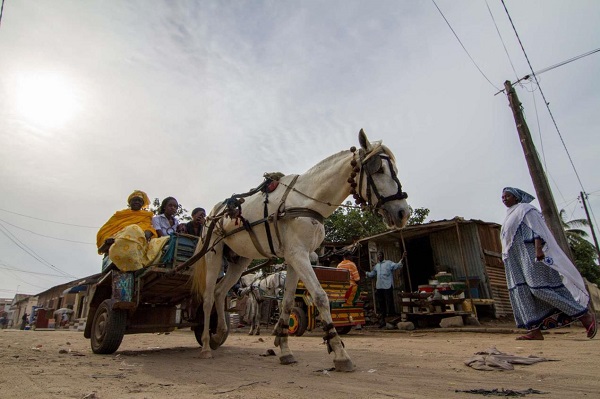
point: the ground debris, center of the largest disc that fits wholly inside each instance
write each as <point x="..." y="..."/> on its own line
<point x="269" y="352"/>
<point x="502" y="392"/>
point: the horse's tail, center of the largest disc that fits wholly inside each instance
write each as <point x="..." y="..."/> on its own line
<point x="199" y="278"/>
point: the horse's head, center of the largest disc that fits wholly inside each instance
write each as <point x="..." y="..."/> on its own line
<point x="378" y="185"/>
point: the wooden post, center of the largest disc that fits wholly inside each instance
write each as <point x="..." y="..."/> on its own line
<point x="465" y="269"/>
<point x="406" y="261"/>
<point x="538" y="176"/>
<point x="584" y="200"/>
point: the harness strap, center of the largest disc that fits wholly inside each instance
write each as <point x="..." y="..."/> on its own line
<point x="248" y="227"/>
<point x="267" y="228"/>
<point x="281" y="208"/>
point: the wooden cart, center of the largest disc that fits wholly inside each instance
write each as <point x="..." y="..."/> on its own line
<point x="154" y="299"/>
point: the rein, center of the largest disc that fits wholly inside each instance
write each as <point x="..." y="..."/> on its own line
<point x="371" y="163"/>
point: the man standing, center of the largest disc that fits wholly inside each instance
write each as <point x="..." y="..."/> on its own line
<point x="347" y="264"/>
<point x="24" y="321"/>
<point x="384" y="271"/>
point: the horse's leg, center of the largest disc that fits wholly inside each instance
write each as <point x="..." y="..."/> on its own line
<point x="213" y="265"/>
<point x="252" y="311"/>
<point x="281" y="328"/>
<point x="257" y="317"/>
<point x="341" y="360"/>
<point x="234" y="272"/>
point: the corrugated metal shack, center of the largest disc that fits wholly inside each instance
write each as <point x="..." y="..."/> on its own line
<point x="462" y="247"/>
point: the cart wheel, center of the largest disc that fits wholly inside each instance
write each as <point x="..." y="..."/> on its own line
<point x="343" y="330"/>
<point x="298" y="322"/>
<point x="213" y="328"/>
<point x="108" y="328"/>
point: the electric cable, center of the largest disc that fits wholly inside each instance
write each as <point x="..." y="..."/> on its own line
<point x="463" y="46"/>
<point x="502" y="40"/>
<point x="29" y="251"/>
<point x="49" y="221"/>
<point x="43" y="235"/>
<point x="543" y="96"/>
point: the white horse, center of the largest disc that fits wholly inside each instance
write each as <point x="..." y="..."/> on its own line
<point x="293" y="213"/>
<point x="260" y="288"/>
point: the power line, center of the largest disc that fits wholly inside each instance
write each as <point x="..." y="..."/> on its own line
<point x="502" y="40"/>
<point x="29" y="251"/>
<point x="25" y="271"/>
<point x="463" y="46"/>
<point x="537" y="73"/>
<point x="42" y="235"/>
<point x="49" y="221"/>
<point x="543" y="96"/>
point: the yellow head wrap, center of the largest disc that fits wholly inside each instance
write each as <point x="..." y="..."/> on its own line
<point x="142" y="195"/>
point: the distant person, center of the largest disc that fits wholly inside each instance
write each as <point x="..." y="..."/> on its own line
<point x="384" y="294"/>
<point x="195" y="226"/>
<point x="347" y="264"/>
<point x="128" y="237"/>
<point x="3" y="322"/>
<point x="166" y="223"/>
<point x="24" y="321"/>
<point x="545" y="288"/>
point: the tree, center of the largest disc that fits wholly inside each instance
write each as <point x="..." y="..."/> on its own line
<point x="349" y="223"/>
<point x="584" y="252"/>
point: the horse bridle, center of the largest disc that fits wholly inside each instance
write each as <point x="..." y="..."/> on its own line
<point x="370" y="165"/>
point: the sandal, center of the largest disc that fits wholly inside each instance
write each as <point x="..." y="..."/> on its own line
<point x="592" y="328"/>
<point x="531" y="336"/>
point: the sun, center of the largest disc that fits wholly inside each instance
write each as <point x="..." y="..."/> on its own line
<point x="46" y="100"/>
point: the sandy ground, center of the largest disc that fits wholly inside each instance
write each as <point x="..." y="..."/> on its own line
<point x="418" y="364"/>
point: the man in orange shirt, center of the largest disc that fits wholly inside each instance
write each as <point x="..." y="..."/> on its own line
<point x="354" y="277"/>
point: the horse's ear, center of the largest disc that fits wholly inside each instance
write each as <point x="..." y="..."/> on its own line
<point x="364" y="141"/>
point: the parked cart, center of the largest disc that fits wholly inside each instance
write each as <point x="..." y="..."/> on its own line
<point x="336" y="283"/>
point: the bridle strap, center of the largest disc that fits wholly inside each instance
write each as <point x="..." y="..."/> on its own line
<point x="371" y="186"/>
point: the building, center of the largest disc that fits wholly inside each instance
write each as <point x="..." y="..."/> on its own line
<point x="468" y="249"/>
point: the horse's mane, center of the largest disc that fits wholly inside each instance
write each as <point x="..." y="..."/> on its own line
<point x="377" y="146"/>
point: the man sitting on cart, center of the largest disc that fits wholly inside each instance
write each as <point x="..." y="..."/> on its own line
<point x="128" y="236"/>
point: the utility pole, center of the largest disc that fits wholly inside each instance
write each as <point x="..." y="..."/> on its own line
<point x="587" y="213"/>
<point x="538" y="177"/>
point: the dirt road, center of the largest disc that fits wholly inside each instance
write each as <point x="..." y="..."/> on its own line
<point x="420" y="364"/>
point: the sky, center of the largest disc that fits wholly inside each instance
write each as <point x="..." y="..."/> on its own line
<point x="198" y="99"/>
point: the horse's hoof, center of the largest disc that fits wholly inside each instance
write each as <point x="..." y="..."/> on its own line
<point x="206" y="355"/>
<point x="287" y="359"/>
<point x="257" y="333"/>
<point x="216" y="341"/>
<point x="343" y="365"/>
<point x="250" y="333"/>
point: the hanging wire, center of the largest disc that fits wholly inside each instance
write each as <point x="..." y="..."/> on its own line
<point x="49" y="221"/>
<point x="42" y="235"/>
<point x="544" y="97"/>
<point x="30" y="252"/>
<point x="502" y="41"/>
<point x="463" y="46"/>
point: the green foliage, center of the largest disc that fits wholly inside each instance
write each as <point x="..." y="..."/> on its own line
<point x="182" y="213"/>
<point x="584" y="252"/>
<point x="350" y="223"/>
<point x="418" y="216"/>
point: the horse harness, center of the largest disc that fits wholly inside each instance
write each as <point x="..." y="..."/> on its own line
<point x="371" y="163"/>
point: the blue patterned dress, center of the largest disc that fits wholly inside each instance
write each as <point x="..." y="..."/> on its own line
<point x="538" y="296"/>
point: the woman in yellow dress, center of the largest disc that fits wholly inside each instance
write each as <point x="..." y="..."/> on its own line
<point x="128" y="236"/>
